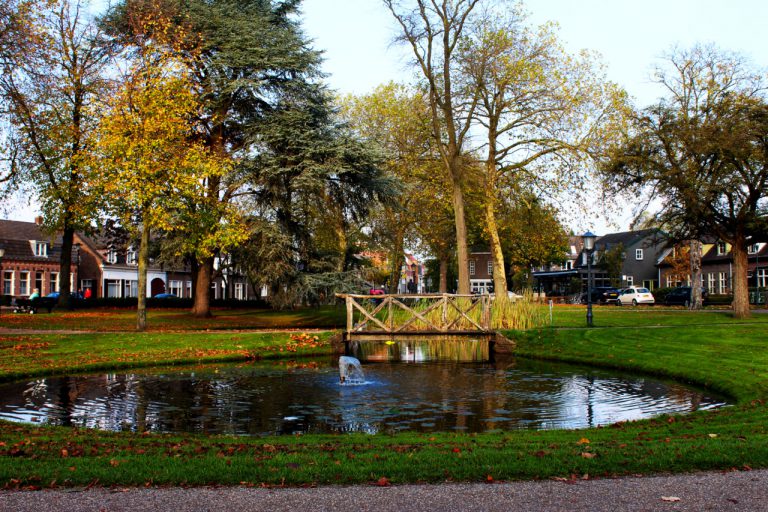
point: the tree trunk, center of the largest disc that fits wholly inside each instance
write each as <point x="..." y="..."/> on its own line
<point x="396" y="259"/>
<point x="202" y="305"/>
<point x="141" y="309"/>
<point x="462" y="254"/>
<point x="499" y="276"/>
<point x="739" y="284"/>
<point x="443" y="275"/>
<point x="695" y="258"/>
<point x="65" y="290"/>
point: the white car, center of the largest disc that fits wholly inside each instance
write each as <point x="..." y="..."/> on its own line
<point x="635" y="295"/>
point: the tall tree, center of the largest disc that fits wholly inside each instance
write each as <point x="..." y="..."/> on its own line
<point x="249" y="53"/>
<point x="53" y="76"/>
<point x="433" y="29"/>
<point x="317" y="181"/>
<point x="541" y="111"/>
<point x="703" y="150"/>
<point x="147" y="160"/>
<point x="396" y="118"/>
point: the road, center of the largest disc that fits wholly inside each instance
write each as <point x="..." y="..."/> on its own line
<point x="712" y="491"/>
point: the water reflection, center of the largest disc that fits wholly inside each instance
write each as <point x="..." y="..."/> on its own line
<point x="275" y="399"/>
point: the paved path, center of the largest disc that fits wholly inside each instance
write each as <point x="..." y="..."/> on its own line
<point x="733" y="491"/>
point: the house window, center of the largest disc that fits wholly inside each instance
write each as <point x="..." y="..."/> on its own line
<point x="239" y="295"/>
<point x="471" y="267"/>
<point x="174" y="287"/>
<point x="112" y="256"/>
<point x="648" y="284"/>
<point x="41" y="249"/>
<point x="86" y="284"/>
<point x="753" y="249"/>
<point x="670" y="281"/>
<point x="131" y="256"/>
<point x="8" y="282"/>
<point x="721" y="248"/>
<point x="214" y="291"/>
<point x="23" y="283"/>
<point x="711" y="282"/>
<point x="762" y="278"/>
<point x="189" y="289"/>
<point x="639" y="254"/>
<point x="569" y="265"/>
<point x="54" y="282"/>
<point x="131" y="289"/>
<point x="113" y="288"/>
<point x="721" y="283"/>
<point x="630" y="280"/>
<point x="490" y="268"/>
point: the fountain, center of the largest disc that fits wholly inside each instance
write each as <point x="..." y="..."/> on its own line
<point x="350" y="371"/>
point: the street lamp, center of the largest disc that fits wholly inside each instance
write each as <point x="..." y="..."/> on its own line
<point x="2" y="279"/>
<point x="588" y="239"/>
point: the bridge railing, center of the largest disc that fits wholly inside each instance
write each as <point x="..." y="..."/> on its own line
<point x="393" y="314"/>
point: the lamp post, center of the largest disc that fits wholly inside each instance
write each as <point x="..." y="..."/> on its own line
<point x="2" y="279"/>
<point x="588" y="239"/>
<point x="77" y="263"/>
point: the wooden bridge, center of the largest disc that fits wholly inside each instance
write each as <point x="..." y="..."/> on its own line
<point x="409" y="314"/>
<point x="439" y="320"/>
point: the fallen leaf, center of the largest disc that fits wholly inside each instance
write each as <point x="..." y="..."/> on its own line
<point x="583" y="440"/>
<point x="712" y="435"/>
<point x="670" y="498"/>
<point x="383" y="482"/>
<point x="587" y="455"/>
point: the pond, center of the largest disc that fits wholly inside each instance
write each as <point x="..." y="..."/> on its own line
<point x="306" y="397"/>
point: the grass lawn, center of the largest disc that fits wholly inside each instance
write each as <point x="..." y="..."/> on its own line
<point x="704" y="348"/>
<point x="159" y="320"/>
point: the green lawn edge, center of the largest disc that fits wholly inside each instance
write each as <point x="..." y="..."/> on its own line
<point x="727" y="358"/>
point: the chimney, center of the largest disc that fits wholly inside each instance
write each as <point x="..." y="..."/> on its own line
<point x="39" y="220"/>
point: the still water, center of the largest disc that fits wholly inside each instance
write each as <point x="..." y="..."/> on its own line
<point x="306" y="397"/>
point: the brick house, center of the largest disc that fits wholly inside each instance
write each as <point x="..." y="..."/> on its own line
<point x="480" y="271"/>
<point x="717" y="267"/>
<point x="31" y="259"/>
<point x="108" y="269"/>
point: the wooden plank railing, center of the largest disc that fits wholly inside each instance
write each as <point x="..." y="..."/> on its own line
<point x="456" y="312"/>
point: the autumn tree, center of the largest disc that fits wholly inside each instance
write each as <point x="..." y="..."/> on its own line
<point x="531" y="233"/>
<point x="396" y="119"/>
<point x="433" y="30"/>
<point x="148" y="162"/>
<point x="53" y="60"/>
<point x="702" y="151"/>
<point x="542" y="113"/>
<point x="249" y="53"/>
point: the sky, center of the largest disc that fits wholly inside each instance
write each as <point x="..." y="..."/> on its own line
<point x="631" y="36"/>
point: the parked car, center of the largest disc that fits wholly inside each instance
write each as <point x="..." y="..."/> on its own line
<point x="682" y="296"/>
<point x="602" y="295"/>
<point x="165" y="296"/>
<point x="635" y="295"/>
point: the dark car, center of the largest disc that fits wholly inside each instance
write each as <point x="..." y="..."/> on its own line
<point x="602" y="295"/>
<point x="681" y="296"/>
<point x="166" y="296"/>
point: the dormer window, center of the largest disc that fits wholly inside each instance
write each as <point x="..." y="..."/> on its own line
<point x="753" y="249"/>
<point x="112" y="256"/>
<point x="721" y="248"/>
<point x="41" y="249"/>
<point x="131" y="257"/>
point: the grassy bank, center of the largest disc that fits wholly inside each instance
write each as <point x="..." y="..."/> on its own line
<point x="725" y="355"/>
<point x="47" y="354"/>
<point x="160" y="320"/>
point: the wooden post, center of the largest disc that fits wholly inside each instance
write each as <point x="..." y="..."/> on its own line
<point x="390" y="317"/>
<point x="350" y="321"/>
